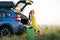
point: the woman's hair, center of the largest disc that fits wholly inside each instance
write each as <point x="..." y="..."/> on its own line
<point x="30" y="14"/>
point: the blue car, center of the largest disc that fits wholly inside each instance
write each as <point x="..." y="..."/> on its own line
<point x="10" y="22"/>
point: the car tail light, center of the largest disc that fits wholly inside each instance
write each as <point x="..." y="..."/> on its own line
<point x="17" y="19"/>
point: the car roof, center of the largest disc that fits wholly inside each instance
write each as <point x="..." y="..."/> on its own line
<point x="6" y="4"/>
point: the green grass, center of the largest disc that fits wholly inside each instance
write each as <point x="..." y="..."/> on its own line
<point x="14" y="37"/>
<point x="52" y="35"/>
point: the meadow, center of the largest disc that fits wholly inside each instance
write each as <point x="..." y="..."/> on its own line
<point x="49" y="33"/>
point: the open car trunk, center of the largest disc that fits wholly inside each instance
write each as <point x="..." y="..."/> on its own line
<point x="24" y="19"/>
<point x="20" y="6"/>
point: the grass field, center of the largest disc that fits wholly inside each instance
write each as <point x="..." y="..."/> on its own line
<point x="51" y="34"/>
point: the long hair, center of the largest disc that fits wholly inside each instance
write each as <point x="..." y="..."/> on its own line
<point x="30" y="14"/>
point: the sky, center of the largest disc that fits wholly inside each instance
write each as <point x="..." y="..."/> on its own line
<point x="47" y="12"/>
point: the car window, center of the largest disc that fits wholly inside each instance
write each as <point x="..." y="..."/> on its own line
<point x="21" y="5"/>
<point x="0" y="15"/>
<point x="8" y="14"/>
<point x="4" y="14"/>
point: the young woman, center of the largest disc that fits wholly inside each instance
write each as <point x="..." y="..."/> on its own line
<point x="32" y="20"/>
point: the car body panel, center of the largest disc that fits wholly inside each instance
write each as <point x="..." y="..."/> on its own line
<point x="9" y="20"/>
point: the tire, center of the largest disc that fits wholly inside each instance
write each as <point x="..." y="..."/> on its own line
<point x="24" y="30"/>
<point x="5" y="31"/>
<point x="20" y="32"/>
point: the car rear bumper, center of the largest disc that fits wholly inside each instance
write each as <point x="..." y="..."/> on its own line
<point x="20" y="29"/>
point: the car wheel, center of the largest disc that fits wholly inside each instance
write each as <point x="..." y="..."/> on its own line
<point x="5" y="31"/>
<point x="24" y="30"/>
<point x="21" y="31"/>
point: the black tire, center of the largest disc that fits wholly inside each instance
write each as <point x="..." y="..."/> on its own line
<point x="20" y="32"/>
<point x="5" y="31"/>
<point x="25" y="29"/>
